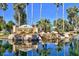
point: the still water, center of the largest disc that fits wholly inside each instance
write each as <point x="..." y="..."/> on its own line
<point x="49" y="49"/>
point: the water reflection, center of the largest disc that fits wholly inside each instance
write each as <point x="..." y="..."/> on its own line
<point x="74" y="47"/>
<point x="60" y="49"/>
<point x="48" y="49"/>
<point x="44" y="51"/>
<point x="9" y="53"/>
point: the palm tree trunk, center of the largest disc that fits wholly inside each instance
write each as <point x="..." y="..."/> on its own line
<point x="40" y="13"/>
<point x="32" y="13"/>
<point x="19" y="19"/>
<point x="26" y="14"/>
<point x="76" y="24"/>
<point x="56" y="16"/>
<point x="75" y="19"/>
<point x="4" y="20"/>
<point x="40" y="10"/>
<point x="63" y="17"/>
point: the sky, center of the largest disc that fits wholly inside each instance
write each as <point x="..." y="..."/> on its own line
<point x="48" y="12"/>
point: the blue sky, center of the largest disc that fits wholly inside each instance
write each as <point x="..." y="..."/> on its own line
<point x="48" y="11"/>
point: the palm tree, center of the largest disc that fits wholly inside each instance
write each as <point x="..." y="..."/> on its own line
<point x="3" y="6"/>
<point x="68" y="26"/>
<point x="40" y="10"/>
<point x="26" y="13"/>
<point x="72" y="13"/>
<point x="20" y="15"/>
<point x="44" y="24"/>
<point x="63" y="17"/>
<point x="57" y="6"/>
<point x="32" y="13"/>
<point x="40" y="14"/>
<point x="17" y="9"/>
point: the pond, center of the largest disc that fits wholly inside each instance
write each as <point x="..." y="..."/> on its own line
<point x="48" y="49"/>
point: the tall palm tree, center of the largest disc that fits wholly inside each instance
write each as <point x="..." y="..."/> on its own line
<point x="76" y="18"/>
<point x="72" y="13"/>
<point x="40" y="10"/>
<point x="63" y="17"/>
<point x="32" y="12"/>
<point x="40" y="14"/>
<point x="20" y="12"/>
<point x="57" y="7"/>
<point x="27" y="12"/>
<point x="3" y="6"/>
<point x="44" y="24"/>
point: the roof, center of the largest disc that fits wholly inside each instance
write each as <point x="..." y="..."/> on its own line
<point x="25" y="26"/>
<point x="54" y="32"/>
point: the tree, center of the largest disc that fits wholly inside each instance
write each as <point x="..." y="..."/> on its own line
<point x="9" y="26"/>
<point x="44" y="24"/>
<point x="3" y="6"/>
<point x="2" y="23"/>
<point x="72" y="13"/>
<point x="63" y="16"/>
<point x="68" y="27"/>
<point x="20" y="15"/>
<point x="77" y="21"/>
<point x="57" y="6"/>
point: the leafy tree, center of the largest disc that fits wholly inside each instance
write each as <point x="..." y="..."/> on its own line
<point x="2" y="23"/>
<point x="72" y="13"/>
<point x="3" y="6"/>
<point x="9" y="25"/>
<point x="68" y="27"/>
<point x="44" y="24"/>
